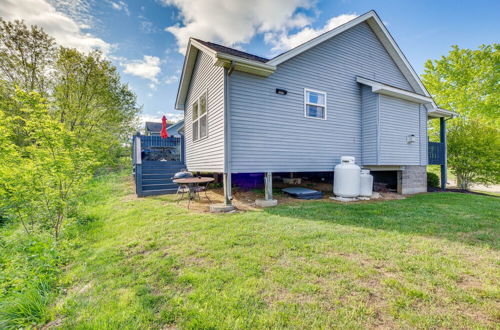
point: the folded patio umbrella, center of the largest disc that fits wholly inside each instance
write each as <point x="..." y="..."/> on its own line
<point x="164" y="133"/>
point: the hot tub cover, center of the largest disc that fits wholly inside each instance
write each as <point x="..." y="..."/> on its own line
<point x="303" y="193"/>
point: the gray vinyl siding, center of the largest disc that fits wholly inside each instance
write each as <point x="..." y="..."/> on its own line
<point x="206" y="154"/>
<point x="424" y="157"/>
<point x="398" y="119"/>
<point x="269" y="131"/>
<point x="369" y="126"/>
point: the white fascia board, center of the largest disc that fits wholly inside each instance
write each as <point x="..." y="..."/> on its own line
<point x="245" y="62"/>
<point x="220" y="59"/>
<point x="381" y="88"/>
<point x="316" y="41"/>
<point x="442" y="113"/>
<point x="187" y="70"/>
<point x="397" y="55"/>
<point x="382" y="33"/>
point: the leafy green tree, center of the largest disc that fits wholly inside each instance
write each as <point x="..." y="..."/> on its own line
<point x="474" y="152"/>
<point x="39" y="181"/>
<point x="466" y="81"/>
<point x="26" y="55"/>
<point x="92" y="102"/>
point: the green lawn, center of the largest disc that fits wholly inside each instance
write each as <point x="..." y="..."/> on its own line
<point x="428" y="261"/>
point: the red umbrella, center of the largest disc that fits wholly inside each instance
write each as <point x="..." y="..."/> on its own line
<point x="164" y="133"/>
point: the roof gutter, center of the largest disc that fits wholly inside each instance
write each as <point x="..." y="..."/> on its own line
<point x="241" y="64"/>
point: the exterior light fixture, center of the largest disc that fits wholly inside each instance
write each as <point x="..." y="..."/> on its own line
<point x="281" y="91"/>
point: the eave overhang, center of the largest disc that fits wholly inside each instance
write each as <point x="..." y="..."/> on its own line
<point x="380" y="88"/>
<point x="219" y="59"/>
<point x="441" y="113"/>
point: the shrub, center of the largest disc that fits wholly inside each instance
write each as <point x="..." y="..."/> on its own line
<point x="432" y="180"/>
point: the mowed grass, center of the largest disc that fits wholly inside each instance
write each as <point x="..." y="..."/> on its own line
<point x="429" y="261"/>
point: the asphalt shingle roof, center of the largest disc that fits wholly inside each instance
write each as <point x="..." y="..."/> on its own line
<point x="232" y="51"/>
<point x="152" y="126"/>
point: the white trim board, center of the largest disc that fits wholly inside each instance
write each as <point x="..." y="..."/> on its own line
<point x="381" y="88"/>
<point x="384" y="36"/>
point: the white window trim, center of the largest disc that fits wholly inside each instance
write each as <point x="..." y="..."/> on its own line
<point x="197" y="101"/>
<point x="315" y="104"/>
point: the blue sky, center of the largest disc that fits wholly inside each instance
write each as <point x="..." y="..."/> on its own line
<point x="144" y="39"/>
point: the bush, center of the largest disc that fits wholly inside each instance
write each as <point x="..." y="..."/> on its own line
<point x="432" y="180"/>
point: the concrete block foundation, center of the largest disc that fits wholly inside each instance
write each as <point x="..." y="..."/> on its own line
<point x="412" y="179"/>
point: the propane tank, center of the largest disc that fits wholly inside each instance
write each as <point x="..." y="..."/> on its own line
<point x="366" y="184"/>
<point x="346" y="182"/>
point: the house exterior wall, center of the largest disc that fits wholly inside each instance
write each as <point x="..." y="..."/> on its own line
<point x="207" y="154"/>
<point x="173" y="130"/>
<point x="424" y="140"/>
<point x="269" y="131"/>
<point x="369" y="126"/>
<point x="398" y="119"/>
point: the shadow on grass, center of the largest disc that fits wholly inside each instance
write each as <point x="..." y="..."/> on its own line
<point x="464" y="218"/>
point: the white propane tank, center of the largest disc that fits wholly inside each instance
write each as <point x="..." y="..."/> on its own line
<point x="366" y="184"/>
<point x="346" y="179"/>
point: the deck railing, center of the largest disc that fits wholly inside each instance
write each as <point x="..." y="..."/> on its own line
<point x="436" y="153"/>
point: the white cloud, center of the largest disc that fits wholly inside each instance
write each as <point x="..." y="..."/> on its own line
<point x="58" y="23"/>
<point x="174" y="117"/>
<point x="235" y="21"/>
<point x="283" y="41"/>
<point x="120" y="6"/>
<point x="171" y="79"/>
<point x="171" y="117"/>
<point x="147" y="68"/>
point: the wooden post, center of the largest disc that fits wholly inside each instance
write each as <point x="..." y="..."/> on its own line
<point x="138" y="166"/>
<point x="268" y="180"/>
<point x="183" y="154"/>
<point x="227" y="189"/>
<point x="444" y="166"/>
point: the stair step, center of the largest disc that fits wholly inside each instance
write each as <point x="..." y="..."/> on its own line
<point x="160" y="171"/>
<point x="159" y="192"/>
<point x="148" y="181"/>
<point x="158" y="186"/>
<point x="157" y="176"/>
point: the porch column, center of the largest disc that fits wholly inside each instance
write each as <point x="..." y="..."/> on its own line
<point x="444" y="165"/>
<point x="268" y="192"/>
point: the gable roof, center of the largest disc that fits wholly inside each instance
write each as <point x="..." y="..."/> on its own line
<point x="238" y="60"/>
<point x="152" y="126"/>
<point x="232" y="51"/>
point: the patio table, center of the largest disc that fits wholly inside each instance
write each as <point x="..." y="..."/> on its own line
<point x="193" y="184"/>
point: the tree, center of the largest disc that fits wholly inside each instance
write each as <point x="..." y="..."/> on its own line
<point x="26" y="55"/>
<point x="38" y="181"/>
<point x="92" y="102"/>
<point x="474" y="152"/>
<point x="466" y="81"/>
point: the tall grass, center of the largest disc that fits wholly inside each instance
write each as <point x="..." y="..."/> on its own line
<point x="27" y="308"/>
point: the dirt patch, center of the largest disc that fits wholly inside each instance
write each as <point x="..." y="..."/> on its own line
<point x="244" y="200"/>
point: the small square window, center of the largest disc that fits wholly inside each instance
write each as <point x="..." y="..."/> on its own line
<point x="314" y="104"/>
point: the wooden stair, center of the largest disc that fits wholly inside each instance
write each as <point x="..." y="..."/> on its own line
<point x="155" y="177"/>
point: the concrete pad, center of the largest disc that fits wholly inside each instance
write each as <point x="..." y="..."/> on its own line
<point x="266" y="202"/>
<point x="221" y="208"/>
<point x="344" y="199"/>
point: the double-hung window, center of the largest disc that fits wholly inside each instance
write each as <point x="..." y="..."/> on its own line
<point x="200" y="128"/>
<point x="314" y="104"/>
